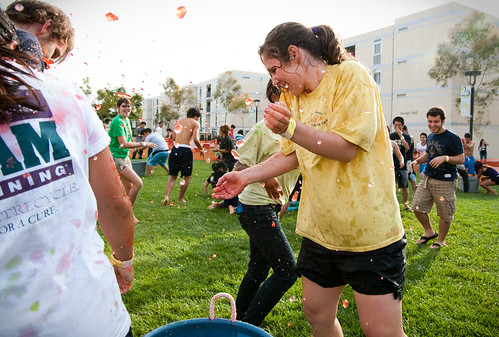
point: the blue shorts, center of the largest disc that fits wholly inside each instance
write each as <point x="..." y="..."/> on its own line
<point x="422" y="167"/>
<point x="376" y="272"/>
<point x="156" y="158"/>
<point x="469" y="164"/>
<point x="180" y="160"/>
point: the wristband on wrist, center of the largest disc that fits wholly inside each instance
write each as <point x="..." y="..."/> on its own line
<point x="142" y="143"/>
<point x="446" y="159"/>
<point x="401" y="137"/>
<point x="123" y="264"/>
<point x="290" y="131"/>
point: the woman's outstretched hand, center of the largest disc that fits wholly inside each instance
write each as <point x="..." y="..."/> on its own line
<point x="229" y="185"/>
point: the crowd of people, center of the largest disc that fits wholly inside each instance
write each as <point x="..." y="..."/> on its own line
<point x="323" y="137"/>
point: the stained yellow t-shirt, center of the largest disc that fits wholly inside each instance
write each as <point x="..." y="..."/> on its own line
<point x="346" y="206"/>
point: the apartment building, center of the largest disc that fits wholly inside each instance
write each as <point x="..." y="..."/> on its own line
<point x="400" y="57"/>
<point x="213" y="114"/>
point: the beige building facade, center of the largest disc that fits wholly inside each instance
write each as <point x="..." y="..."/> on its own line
<point x="213" y="114"/>
<point x="400" y="57"/>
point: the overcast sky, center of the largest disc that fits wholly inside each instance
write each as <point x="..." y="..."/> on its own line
<point x="149" y="43"/>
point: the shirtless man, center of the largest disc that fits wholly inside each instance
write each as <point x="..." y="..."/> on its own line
<point x="469" y="159"/>
<point x="180" y="159"/>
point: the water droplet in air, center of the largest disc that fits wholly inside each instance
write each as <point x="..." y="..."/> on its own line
<point x="240" y="143"/>
<point x="19" y="7"/>
<point x="370" y="185"/>
<point x="235" y="154"/>
<point x="345" y="303"/>
<point x="182" y="182"/>
<point x="442" y="199"/>
<point x="249" y="101"/>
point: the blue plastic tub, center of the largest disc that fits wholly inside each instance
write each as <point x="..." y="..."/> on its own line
<point x="204" y="327"/>
<point x="210" y="327"/>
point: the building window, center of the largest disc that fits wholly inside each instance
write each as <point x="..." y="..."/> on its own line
<point x="208" y="106"/>
<point x="377" y="76"/>
<point x="377" y="52"/>
<point x="208" y="90"/>
<point x="351" y="50"/>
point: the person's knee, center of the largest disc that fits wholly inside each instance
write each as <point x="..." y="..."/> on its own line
<point x="373" y="329"/>
<point x="257" y="273"/>
<point x="138" y="184"/>
<point x="256" y="277"/>
<point x="317" y="314"/>
<point x="287" y="276"/>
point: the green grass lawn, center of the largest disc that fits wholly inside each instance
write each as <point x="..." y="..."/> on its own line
<point x="186" y="253"/>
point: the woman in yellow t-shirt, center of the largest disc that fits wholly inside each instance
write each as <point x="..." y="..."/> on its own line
<point x="330" y="113"/>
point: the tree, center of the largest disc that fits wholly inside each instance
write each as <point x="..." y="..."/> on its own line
<point x="178" y="100"/>
<point x="105" y="103"/>
<point x="166" y="114"/>
<point x="85" y="87"/>
<point x="473" y="45"/>
<point x="229" y="93"/>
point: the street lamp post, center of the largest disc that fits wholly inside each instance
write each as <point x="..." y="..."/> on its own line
<point x="256" y="101"/>
<point x="472" y="80"/>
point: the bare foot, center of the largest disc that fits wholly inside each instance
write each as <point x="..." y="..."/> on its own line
<point x="232" y="210"/>
<point x="181" y="200"/>
<point x="213" y="205"/>
<point x="165" y="201"/>
<point x="135" y="220"/>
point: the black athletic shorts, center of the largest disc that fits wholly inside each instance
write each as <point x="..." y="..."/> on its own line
<point x="376" y="272"/>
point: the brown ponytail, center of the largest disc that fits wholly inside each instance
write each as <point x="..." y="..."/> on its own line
<point x="320" y="41"/>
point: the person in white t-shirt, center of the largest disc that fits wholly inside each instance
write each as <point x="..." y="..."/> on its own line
<point x="159" y="129"/>
<point x="57" y="178"/>
<point x="421" y="148"/>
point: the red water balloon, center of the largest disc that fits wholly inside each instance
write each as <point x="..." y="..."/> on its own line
<point x="111" y="17"/>
<point x="181" y="11"/>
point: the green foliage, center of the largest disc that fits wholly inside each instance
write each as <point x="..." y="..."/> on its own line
<point x="85" y="87"/>
<point x="178" y="100"/>
<point x="166" y="114"/>
<point x="228" y="92"/>
<point x="107" y="99"/>
<point x="186" y="253"/>
<point x="239" y="103"/>
<point x="473" y="45"/>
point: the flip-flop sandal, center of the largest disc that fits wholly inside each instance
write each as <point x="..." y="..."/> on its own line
<point x="436" y="245"/>
<point x="425" y="239"/>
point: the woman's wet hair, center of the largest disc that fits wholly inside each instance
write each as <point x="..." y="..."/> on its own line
<point x="320" y="41"/>
<point x="14" y="64"/>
